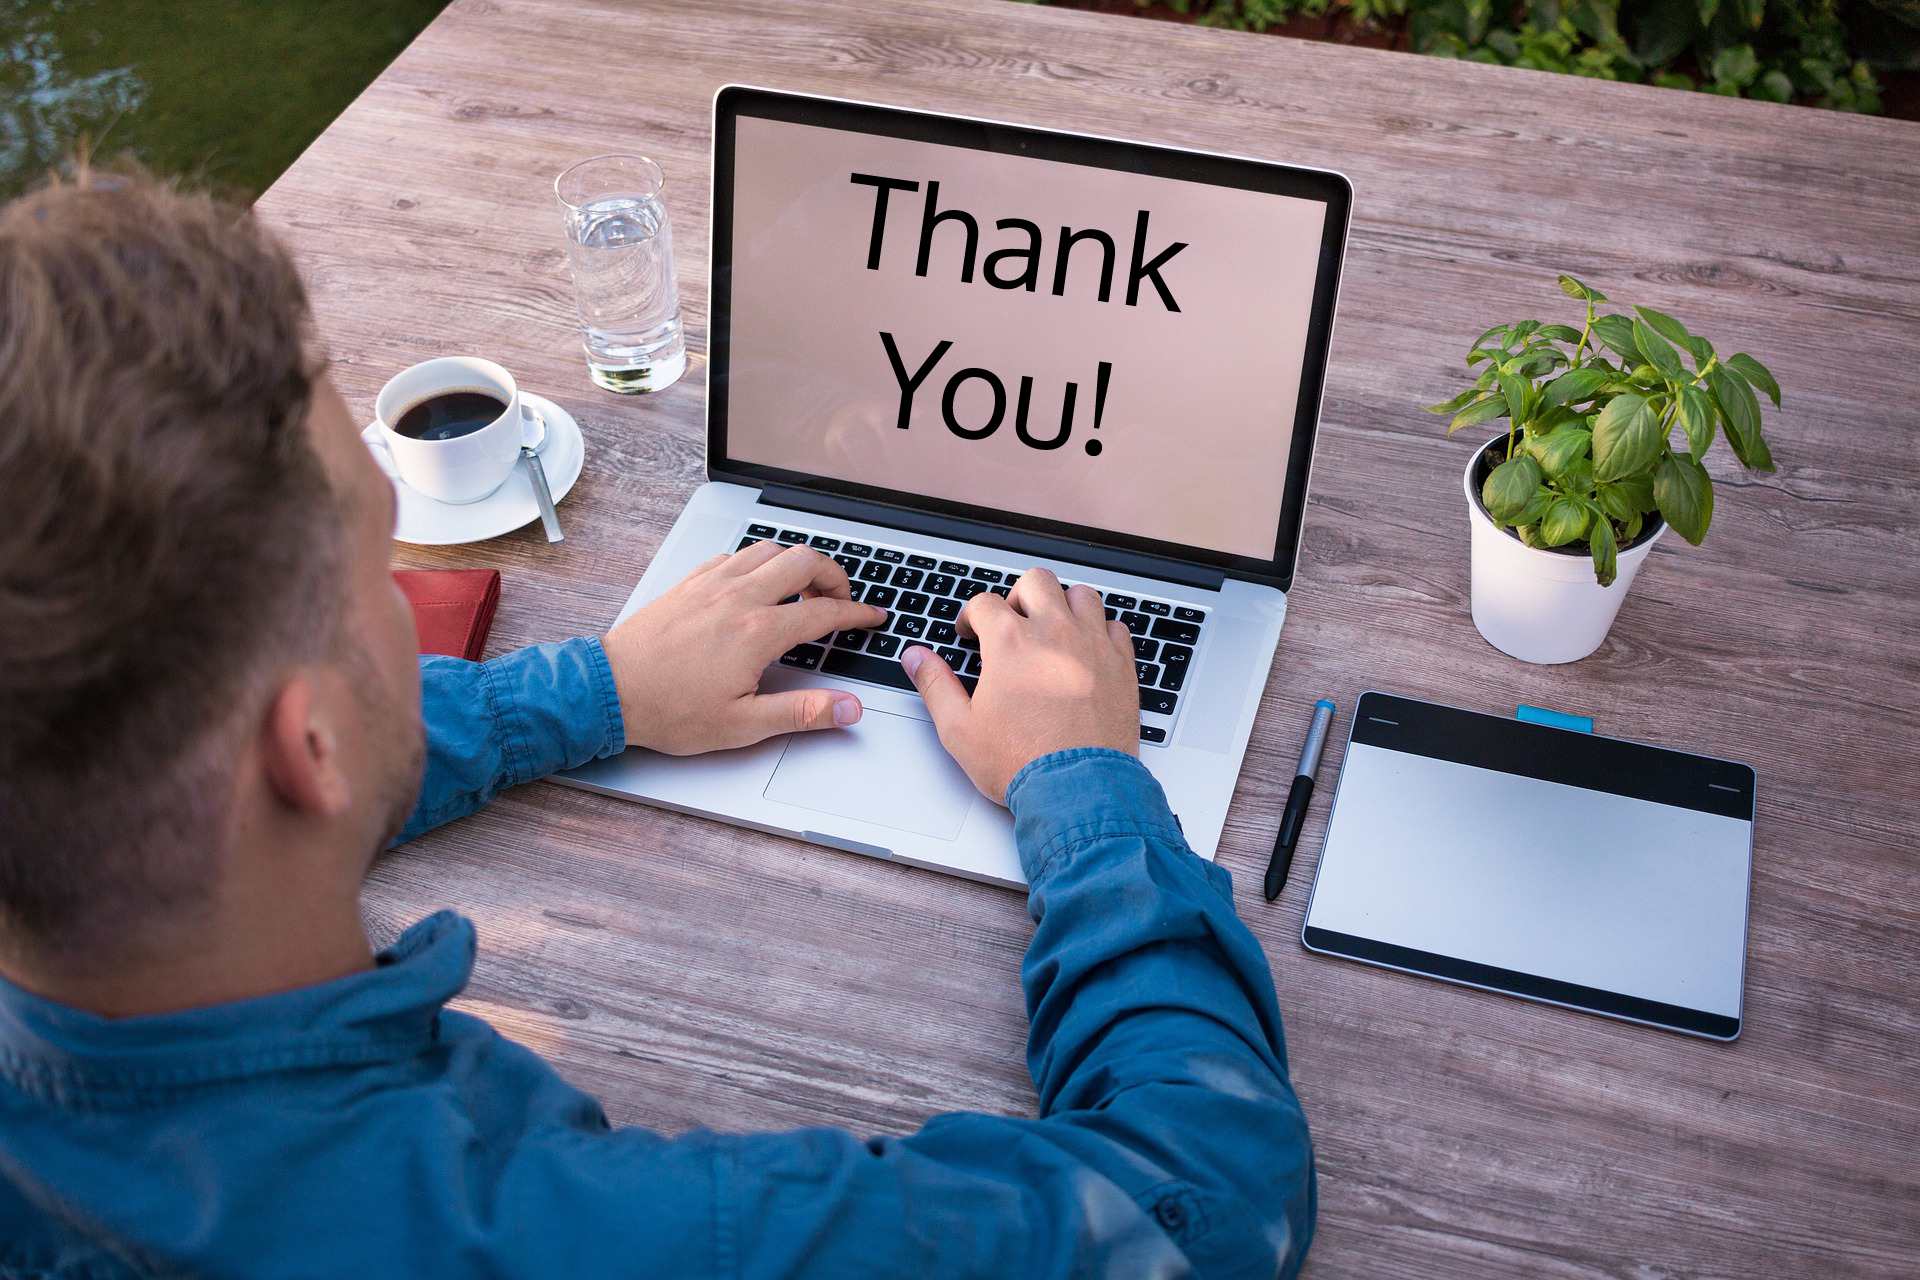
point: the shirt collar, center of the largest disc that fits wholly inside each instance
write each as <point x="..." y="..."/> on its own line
<point x="392" y="1010"/>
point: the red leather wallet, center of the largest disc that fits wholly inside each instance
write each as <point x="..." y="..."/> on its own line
<point x="452" y="608"/>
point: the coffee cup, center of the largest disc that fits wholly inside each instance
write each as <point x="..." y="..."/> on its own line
<point x="452" y="426"/>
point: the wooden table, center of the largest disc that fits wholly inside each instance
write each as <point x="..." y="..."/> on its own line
<point x="695" y="974"/>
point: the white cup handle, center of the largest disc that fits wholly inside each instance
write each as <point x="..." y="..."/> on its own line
<point x="376" y="441"/>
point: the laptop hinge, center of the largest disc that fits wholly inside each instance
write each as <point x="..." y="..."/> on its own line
<point x="1016" y="540"/>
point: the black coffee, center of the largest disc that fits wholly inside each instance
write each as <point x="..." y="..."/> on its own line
<point x="450" y="415"/>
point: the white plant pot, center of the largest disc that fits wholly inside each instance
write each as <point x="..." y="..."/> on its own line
<point x="1542" y="606"/>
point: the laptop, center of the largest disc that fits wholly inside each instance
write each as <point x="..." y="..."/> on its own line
<point x="946" y="350"/>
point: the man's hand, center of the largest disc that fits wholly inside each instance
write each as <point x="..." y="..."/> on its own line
<point x="688" y="665"/>
<point x="1055" y="673"/>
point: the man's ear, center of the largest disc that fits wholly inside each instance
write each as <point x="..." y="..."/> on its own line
<point x="301" y="753"/>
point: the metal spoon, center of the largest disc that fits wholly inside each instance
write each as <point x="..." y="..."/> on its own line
<point x="533" y="434"/>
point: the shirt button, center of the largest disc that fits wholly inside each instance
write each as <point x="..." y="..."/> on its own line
<point x="1171" y="1214"/>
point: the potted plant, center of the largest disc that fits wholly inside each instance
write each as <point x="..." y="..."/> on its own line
<point x="1589" y="473"/>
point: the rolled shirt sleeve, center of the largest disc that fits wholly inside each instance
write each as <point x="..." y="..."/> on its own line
<point x="524" y="715"/>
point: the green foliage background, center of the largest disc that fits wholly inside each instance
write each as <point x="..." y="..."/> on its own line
<point x="1815" y="52"/>
<point x="226" y="91"/>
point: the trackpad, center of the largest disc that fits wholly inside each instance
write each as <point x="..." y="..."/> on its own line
<point x="887" y="769"/>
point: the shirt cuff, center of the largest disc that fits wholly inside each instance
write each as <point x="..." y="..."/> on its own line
<point x="1069" y="798"/>
<point x="556" y="707"/>
<point x="600" y="672"/>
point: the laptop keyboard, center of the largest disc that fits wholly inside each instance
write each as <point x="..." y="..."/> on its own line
<point x="924" y="594"/>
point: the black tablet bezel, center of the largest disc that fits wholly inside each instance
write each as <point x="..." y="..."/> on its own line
<point x="1332" y="189"/>
<point x="1565" y="756"/>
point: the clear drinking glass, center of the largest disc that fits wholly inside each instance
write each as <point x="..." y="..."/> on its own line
<point x="620" y="245"/>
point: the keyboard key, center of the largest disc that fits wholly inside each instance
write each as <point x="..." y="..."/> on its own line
<point x="942" y="633"/>
<point x="1152" y="733"/>
<point x="1148" y="672"/>
<point x="1157" y="700"/>
<point x="1158" y="608"/>
<point x="969" y="588"/>
<point x="908" y="578"/>
<point x="849" y="639"/>
<point x="854" y="589"/>
<point x="820" y="542"/>
<point x="1136" y="622"/>
<point x="1174" y="655"/>
<point x="986" y="575"/>
<point x="803" y="655"/>
<point x="922" y="562"/>
<point x="1119" y="601"/>
<point x="1112" y="613"/>
<point x="945" y="609"/>
<point x="747" y="542"/>
<point x="1178" y="632"/>
<point x="791" y="600"/>
<point x="914" y="602"/>
<point x="1173" y="678"/>
<point x="938" y="584"/>
<point x="1012" y="578"/>
<point x="856" y="548"/>
<point x="884" y="645"/>
<point x="955" y="568"/>
<point x="1000" y="589"/>
<point x="880" y="596"/>
<point x="874" y="571"/>
<point x="792" y="536"/>
<point x="973" y="664"/>
<point x="760" y="531"/>
<point x="969" y="642"/>
<point x="905" y="624"/>
<point x="955" y="658"/>
<point x="1189" y="615"/>
<point x="850" y="563"/>
<point x="844" y="662"/>
<point x="890" y="555"/>
<point x="1144" y="649"/>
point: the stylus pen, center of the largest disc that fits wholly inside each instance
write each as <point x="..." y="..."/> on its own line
<point x="1297" y="798"/>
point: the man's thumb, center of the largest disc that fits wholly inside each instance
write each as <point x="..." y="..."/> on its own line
<point x="803" y="709"/>
<point x="940" y="689"/>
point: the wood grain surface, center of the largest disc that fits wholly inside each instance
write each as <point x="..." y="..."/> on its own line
<point x="695" y="974"/>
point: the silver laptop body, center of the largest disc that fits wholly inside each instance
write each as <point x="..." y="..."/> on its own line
<point x="947" y="350"/>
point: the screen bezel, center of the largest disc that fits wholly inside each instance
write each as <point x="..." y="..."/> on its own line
<point x="1331" y="189"/>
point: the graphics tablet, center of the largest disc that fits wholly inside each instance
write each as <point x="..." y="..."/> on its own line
<point x="1560" y="866"/>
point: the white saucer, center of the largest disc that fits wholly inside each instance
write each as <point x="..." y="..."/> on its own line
<point x="427" y="522"/>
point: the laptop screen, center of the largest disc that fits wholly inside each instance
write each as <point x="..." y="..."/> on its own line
<point x="1119" y="342"/>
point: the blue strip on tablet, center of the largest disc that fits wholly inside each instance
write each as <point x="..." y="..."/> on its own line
<point x="1553" y="719"/>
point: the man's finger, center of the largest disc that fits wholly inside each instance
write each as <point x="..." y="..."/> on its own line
<point x="1086" y="603"/>
<point x="798" y="711"/>
<point x="946" y="698"/>
<point x="797" y="569"/>
<point x="815" y="616"/>
<point x="1038" y="594"/>
<point x="749" y="558"/>
<point x="983" y="613"/>
<point x="1121" y="637"/>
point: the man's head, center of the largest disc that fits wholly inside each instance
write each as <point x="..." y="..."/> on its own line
<point x="193" y="598"/>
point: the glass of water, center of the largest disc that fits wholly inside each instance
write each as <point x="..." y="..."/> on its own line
<point x="620" y="245"/>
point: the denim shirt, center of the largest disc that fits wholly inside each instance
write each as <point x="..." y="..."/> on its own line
<point x="359" y="1128"/>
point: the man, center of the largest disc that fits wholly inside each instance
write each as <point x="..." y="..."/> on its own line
<point x="211" y="719"/>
